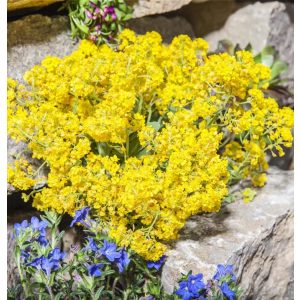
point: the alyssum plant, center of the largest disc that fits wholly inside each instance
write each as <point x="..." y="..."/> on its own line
<point x="100" y="269"/>
<point x="147" y="135"/>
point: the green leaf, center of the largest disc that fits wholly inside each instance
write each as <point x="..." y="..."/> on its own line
<point x="59" y="296"/>
<point x="229" y="199"/>
<point x="81" y="26"/>
<point x="142" y="153"/>
<point x="267" y="60"/>
<point x="103" y="148"/>
<point x="268" y="50"/>
<point x="268" y="55"/>
<point x="113" y="26"/>
<point x="86" y="2"/>
<point x="99" y="292"/>
<point x="278" y="68"/>
<point x="108" y="272"/>
<point x="155" y="125"/>
<point x="118" y="13"/>
<point x="38" y="285"/>
<point x="88" y="281"/>
<point x="257" y="58"/>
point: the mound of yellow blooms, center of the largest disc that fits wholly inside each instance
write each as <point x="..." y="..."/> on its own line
<point x="147" y="135"/>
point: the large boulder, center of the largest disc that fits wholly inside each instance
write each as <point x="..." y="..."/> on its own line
<point x="256" y="237"/>
<point x="261" y="24"/>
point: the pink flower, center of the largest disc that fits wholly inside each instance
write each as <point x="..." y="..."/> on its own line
<point x="88" y="14"/>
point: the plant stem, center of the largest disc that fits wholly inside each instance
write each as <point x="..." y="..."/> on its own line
<point x="50" y="292"/>
<point x="114" y="286"/>
<point x="22" y="277"/>
<point x="39" y="168"/>
<point x="126" y="294"/>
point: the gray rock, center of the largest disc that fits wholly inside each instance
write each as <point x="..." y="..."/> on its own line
<point x="199" y="14"/>
<point x="152" y="7"/>
<point x="256" y="237"/>
<point x="261" y="24"/>
<point x="265" y="268"/>
<point x="167" y="27"/>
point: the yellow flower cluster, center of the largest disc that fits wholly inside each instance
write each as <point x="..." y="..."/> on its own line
<point x="147" y="135"/>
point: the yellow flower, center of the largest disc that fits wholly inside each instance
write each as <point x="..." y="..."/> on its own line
<point x="147" y="135"/>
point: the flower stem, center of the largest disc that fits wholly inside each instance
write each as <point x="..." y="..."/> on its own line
<point x="126" y="294"/>
<point x="22" y="278"/>
<point x="50" y="292"/>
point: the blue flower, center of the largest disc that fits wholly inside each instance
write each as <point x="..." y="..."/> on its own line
<point x="38" y="225"/>
<point x="80" y="216"/>
<point x="94" y="270"/>
<point x="195" y="284"/>
<point x="109" y="250"/>
<point x="48" y="265"/>
<point x="230" y="294"/>
<point x="123" y="261"/>
<point x="56" y="255"/>
<point x="184" y="291"/>
<point x="20" y="227"/>
<point x="24" y="255"/>
<point x="92" y="245"/>
<point x="156" y="264"/>
<point x="223" y="271"/>
<point x="42" y="239"/>
<point x="149" y="297"/>
<point x="36" y="263"/>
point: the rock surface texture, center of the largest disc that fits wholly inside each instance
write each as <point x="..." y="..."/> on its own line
<point x="167" y="27"/>
<point x="34" y="37"/>
<point x="152" y="7"/>
<point x="256" y="237"/>
<point x="199" y="14"/>
<point x="261" y="24"/>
